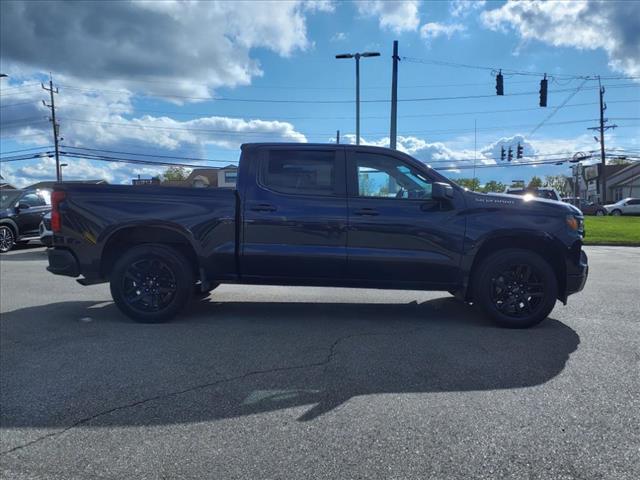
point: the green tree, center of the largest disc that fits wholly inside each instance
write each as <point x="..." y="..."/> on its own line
<point x="472" y="184"/>
<point x="494" y="186"/>
<point x="175" y="174"/>
<point x="535" y="182"/>
<point x="559" y="182"/>
<point x="619" y="161"/>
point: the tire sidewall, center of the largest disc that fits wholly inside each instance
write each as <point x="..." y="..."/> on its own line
<point x="497" y="262"/>
<point x="13" y="237"/>
<point x="180" y="267"/>
<point x="616" y="213"/>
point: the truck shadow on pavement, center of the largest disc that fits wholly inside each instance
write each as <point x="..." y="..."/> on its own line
<point x="82" y="363"/>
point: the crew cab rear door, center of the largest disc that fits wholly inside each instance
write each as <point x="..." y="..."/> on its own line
<point x="397" y="234"/>
<point x="295" y="214"/>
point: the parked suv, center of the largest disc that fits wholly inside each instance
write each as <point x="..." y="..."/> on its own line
<point x="626" y="206"/>
<point x="20" y="214"/>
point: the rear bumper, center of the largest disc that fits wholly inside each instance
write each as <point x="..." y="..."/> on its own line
<point x="63" y="262"/>
<point x="577" y="274"/>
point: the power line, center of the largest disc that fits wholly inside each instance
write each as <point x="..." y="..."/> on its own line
<point x="26" y="149"/>
<point x="316" y="101"/>
<point x="556" y="109"/>
<point x="507" y="71"/>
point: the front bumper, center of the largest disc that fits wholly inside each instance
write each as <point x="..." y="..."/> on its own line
<point x="63" y="262"/>
<point x="577" y="274"/>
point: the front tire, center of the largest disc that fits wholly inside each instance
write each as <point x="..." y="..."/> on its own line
<point x="151" y="283"/>
<point x="616" y="213"/>
<point x="7" y="239"/>
<point x="516" y="288"/>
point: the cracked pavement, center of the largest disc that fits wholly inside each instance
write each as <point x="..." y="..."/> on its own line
<point x="277" y="382"/>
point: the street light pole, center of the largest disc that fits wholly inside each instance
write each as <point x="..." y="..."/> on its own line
<point x="62" y="165"/>
<point x="357" y="99"/>
<point x="357" y="56"/>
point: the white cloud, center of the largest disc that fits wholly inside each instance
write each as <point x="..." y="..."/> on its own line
<point x="430" y="31"/>
<point x="462" y="8"/>
<point x="397" y="16"/>
<point x="319" y="5"/>
<point x="108" y="121"/>
<point x="339" y="37"/>
<point x="182" y="48"/>
<point x="585" y="25"/>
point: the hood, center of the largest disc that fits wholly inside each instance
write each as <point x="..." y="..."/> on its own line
<point x="521" y="202"/>
<point x="7" y="212"/>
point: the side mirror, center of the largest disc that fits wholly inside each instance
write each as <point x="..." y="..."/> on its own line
<point x="441" y="191"/>
<point x="22" y="206"/>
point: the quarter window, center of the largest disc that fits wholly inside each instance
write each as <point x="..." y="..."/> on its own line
<point x="387" y="177"/>
<point x="304" y="172"/>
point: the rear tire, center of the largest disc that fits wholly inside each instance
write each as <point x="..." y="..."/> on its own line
<point x="516" y="288"/>
<point x="600" y="213"/>
<point x="152" y="283"/>
<point x="7" y="239"/>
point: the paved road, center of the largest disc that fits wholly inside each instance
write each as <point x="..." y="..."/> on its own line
<point x="306" y="383"/>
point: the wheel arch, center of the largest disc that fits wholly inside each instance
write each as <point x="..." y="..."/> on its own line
<point x="546" y="247"/>
<point x="132" y="235"/>
<point x="11" y="224"/>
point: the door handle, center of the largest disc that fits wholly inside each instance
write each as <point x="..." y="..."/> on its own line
<point x="367" y="211"/>
<point x="263" y="207"/>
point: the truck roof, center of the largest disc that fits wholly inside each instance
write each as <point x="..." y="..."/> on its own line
<point x="322" y="145"/>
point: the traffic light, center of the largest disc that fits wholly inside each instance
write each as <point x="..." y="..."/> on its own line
<point x="543" y="91"/>
<point x="519" y="151"/>
<point x="510" y="156"/>
<point x="499" y="84"/>
<point x="502" y="154"/>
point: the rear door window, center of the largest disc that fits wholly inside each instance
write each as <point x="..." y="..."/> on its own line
<point x="302" y="172"/>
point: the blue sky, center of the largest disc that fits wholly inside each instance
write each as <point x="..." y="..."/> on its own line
<point x="196" y="80"/>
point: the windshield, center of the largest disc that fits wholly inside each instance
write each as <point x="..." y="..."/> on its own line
<point x="7" y="197"/>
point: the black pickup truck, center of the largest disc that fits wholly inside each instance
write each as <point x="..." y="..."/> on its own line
<point x="321" y="215"/>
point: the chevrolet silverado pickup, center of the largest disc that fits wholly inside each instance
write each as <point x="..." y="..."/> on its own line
<point x="320" y="215"/>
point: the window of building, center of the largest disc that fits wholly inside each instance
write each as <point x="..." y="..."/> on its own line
<point x="231" y="176"/>
<point x="305" y="172"/>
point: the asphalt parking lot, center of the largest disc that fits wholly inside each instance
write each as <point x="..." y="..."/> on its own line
<point x="273" y="382"/>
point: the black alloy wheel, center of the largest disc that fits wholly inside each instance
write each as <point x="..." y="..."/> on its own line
<point x="517" y="291"/>
<point x="7" y="239"/>
<point x="516" y="288"/>
<point x="151" y="283"/>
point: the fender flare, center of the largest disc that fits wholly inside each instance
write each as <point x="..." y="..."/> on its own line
<point x="12" y="224"/>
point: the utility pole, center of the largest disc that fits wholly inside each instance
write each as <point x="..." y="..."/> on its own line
<point x="52" y="106"/>
<point x="603" y="159"/>
<point x="394" y="98"/>
<point x="357" y="56"/>
<point x="338" y="137"/>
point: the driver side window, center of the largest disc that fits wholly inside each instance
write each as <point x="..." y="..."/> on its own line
<point x="380" y="176"/>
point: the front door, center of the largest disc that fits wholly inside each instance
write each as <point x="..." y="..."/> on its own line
<point x="295" y="215"/>
<point x="32" y="206"/>
<point x="396" y="232"/>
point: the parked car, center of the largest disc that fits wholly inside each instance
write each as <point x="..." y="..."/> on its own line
<point x="587" y="208"/>
<point x="540" y="192"/>
<point x="626" y="206"/>
<point x="20" y="214"/>
<point x="324" y="215"/>
<point x="46" y="235"/>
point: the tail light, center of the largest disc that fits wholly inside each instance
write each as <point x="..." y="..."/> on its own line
<point x="56" y="218"/>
